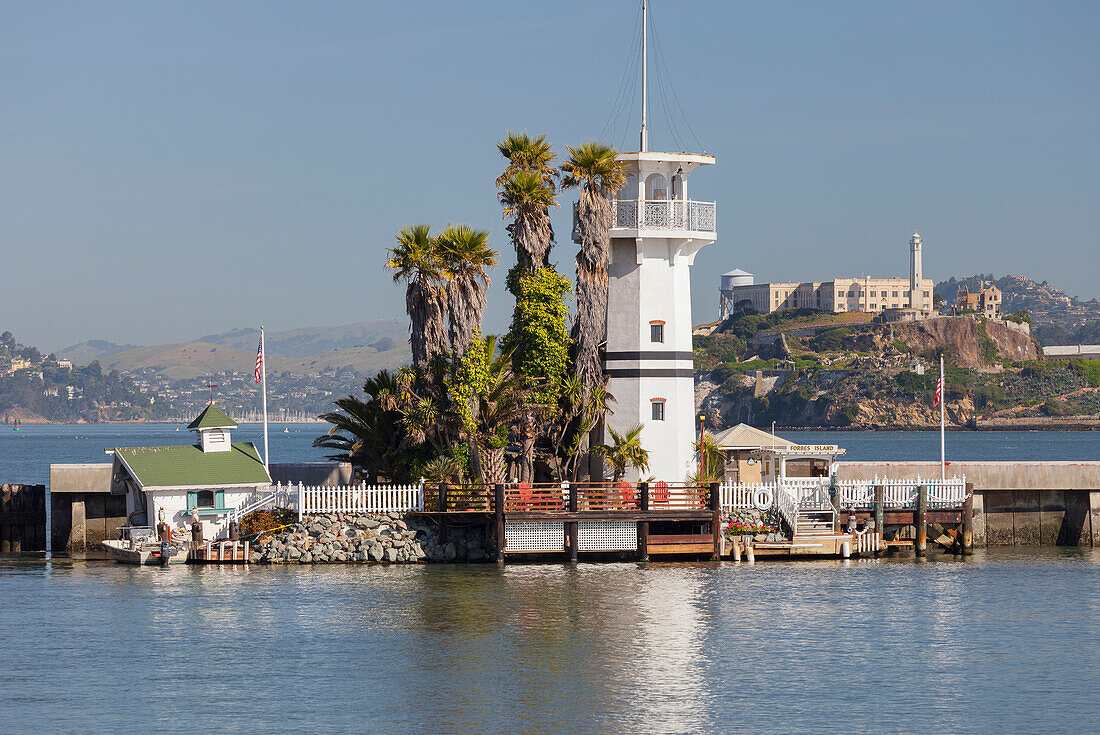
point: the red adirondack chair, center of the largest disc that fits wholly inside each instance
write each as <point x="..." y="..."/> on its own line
<point x="626" y="492"/>
<point x="526" y="495"/>
<point x="658" y="494"/>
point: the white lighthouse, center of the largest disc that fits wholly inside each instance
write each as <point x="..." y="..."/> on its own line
<point x="656" y="231"/>
<point x="916" y="276"/>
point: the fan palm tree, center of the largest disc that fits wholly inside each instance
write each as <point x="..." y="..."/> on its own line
<point x="467" y="258"/>
<point x="597" y="170"/>
<point x="527" y="199"/>
<point x="415" y="260"/>
<point x="525" y="153"/>
<point x="625" y="451"/>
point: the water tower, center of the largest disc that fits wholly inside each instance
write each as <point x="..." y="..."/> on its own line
<point x="726" y="300"/>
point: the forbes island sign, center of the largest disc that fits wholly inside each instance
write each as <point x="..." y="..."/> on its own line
<point x="813" y="448"/>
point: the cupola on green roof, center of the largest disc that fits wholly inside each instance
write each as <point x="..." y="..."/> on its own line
<point x="212" y="417"/>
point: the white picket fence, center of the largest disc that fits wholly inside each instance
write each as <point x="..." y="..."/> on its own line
<point x="360" y="498"/>
<point x="814" y="492"/>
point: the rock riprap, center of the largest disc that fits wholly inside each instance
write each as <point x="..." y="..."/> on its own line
<point x="376" y="538"/>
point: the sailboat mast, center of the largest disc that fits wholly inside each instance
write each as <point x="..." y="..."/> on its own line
<point x="645" y="86"/>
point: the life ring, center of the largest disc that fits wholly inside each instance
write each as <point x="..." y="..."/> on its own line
<point x="762" y="498"/>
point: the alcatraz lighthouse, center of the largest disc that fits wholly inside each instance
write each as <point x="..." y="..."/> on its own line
<point x="656" y="231"/>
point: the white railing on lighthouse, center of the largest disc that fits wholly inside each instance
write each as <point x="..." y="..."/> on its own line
<point x="683" y="215"/>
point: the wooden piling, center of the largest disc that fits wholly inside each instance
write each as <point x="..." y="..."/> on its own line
<point x="643" y="526"/>
<point x="572" y="528"/>
<point x="442" y="497"/>
<point x="834" y="500"/>
<point x="921" y="544"/>
<point x="880" y="503"/>
<point x="498" y="514"/>
<point x="966" y="538"/>
<point x="716" y="520"/>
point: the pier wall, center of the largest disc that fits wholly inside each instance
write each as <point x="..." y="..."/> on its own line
<point x="1015" y="503"/>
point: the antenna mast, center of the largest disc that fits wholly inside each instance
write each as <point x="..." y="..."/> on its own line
<point x="645" y="133"/>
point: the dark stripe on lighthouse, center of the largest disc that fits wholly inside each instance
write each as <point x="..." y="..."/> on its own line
<point x="650" y="373"/>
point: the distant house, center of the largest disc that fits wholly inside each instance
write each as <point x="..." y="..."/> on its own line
<point x="206" y="480"/>
<point x="986" y="300"/>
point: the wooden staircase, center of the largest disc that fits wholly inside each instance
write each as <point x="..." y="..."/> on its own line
<point x="814" y="522"/>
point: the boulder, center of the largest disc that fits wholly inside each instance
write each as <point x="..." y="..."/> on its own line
<point x="375" y="552"/>
<point x="391" y="555"/>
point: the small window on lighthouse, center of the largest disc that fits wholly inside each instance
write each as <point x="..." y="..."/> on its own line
<point x="658" y="408"/>
<point x="656" y="332"/>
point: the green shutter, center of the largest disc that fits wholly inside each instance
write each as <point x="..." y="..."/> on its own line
<point x="192" y="500"/>
<point x="219" y="498"/>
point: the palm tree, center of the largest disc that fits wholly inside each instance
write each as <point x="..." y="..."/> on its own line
<point x="500" y="404"/>
<point x="527" y="199"/>
<point x="597" y="170"/>
<point x="415" y="260"/>
<point x="525" y="153"/>
<point x="366" y="433"/>
<point x="712" y="465"/>
<point x="625" y="451"/>
<point x="467" y="258"/>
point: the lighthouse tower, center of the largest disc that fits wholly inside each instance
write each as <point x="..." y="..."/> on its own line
<point x="916" y="275"/>
<point x="656" y="231"/>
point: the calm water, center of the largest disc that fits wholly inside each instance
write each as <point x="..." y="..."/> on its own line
<point x="25" y="455"/>
<point x="1002" y="643"/>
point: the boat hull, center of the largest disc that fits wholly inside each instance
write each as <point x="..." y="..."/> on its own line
<point x="146" y="554"/>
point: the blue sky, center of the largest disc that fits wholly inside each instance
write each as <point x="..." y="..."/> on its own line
<point x="174" y="169"/>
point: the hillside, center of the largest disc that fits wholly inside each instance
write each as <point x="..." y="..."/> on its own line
<point x="1057" y="318"/>
<point x="195" y="359"/>
<point x="382" y="335"/>
<point x="35" y="389"/>
<point x="93" y="349"/>
<point x="883" y="376"/>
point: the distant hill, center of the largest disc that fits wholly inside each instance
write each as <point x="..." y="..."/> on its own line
<point x="93" y="349"/>
<point x="1057" y="318"/>
<point x="194" y="359"/>
<point x="382" y="335"/>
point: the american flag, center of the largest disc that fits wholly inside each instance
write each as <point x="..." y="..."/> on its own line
<point x="259" y="358"/>
<point x="939" y="391"/>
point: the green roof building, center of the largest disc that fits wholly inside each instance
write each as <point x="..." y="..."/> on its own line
<point x="207" y="479"/>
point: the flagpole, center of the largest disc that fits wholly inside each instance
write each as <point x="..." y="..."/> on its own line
<point x="943" y="445"/>
<point x="263" y="374"/>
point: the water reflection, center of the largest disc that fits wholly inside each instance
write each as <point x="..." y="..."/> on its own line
<point x="863" y="646"/>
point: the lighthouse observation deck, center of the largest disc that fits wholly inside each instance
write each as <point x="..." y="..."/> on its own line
<point x="634" y="217"/>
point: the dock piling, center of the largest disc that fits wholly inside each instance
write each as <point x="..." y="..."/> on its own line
<point x="967" y="537"/>
<point x="716" y="519"/>
<point x="498" y="514"/>
<point x="643" y="526"/>
<point x="921" y="544"/>
<point x="880" y="502"/>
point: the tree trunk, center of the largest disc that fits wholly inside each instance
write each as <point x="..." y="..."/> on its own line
<point x="595" y="459"/>
<point x="493" y="465"/>
<point x="477" y="472"/>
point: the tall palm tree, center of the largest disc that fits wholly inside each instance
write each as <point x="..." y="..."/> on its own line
<point x="597" y="170"/>
<point x="625" y="451"/>
<point x="525" y="153"/>
<point x="527" y="199"/>
<point x="467" y="258"/>
<point x="415" y="260"/>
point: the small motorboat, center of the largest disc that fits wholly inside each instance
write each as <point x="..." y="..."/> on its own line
<point x="139" y="545"/>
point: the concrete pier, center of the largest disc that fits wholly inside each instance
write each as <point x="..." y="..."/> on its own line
<point x="1015" y="503"/>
